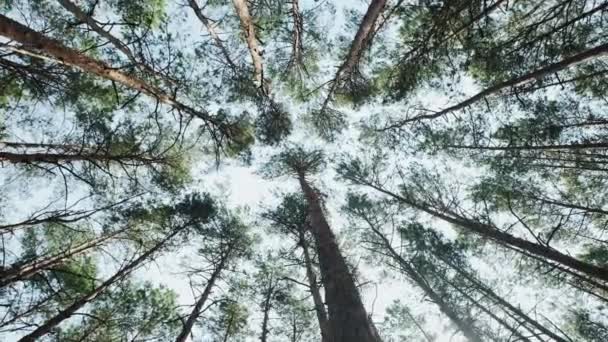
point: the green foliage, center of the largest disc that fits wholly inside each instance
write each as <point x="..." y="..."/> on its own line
<point x="130" y="312"/>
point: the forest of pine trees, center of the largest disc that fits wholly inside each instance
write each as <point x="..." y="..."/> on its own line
<point x="304" y="170"/>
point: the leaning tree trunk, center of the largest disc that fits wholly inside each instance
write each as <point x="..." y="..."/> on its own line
<point x="28" y="269"/>
<point x="248" y="28"/>
<point x="68" y="312"/>
<point x="348" y="321"/>
<point x="196" y="311"/>
<point x="581" y="57"/>
<point x="35" y="42"/>
<point x="419" y="280"/>
<point x="314" y="289"/>
<point x="488" y="292"/>
<point x="502" y="238"/>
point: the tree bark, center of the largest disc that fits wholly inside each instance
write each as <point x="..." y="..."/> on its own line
<point x="34" y="42"/>
<point x="248" y="28"/>
<point x="122" y="47"/>
<point x="581" y="57"/>
<point x="502" y="302"/>
<point x="533" y="147"/>
<point x="77" y="305"/>
<point x="503" y="238"/>
<point x="419" y="280"/>
<point x="348" y="319"/>
<point x="314" y="289"/>
<point x="196" y="311"/>
<point x="27" y="269"/>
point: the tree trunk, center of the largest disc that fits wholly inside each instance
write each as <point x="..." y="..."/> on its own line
<point x="214" y="36"/>
<point x="57" y="158"/>
<point x="419" y="280"/>
<point x="266" y="312"/>
<point x="533" y="147"/>
<point x="297" y="59"/>
<point x="502" y="302"/>
<point x="581" y="57"/>
<point x="248" y="28"/>
<point x="92" y="23"/>
<point x="77" y="305"/>
<point x="196" y="311"/>
<point x="34" y="42"/>
<point x="27" y="269"/>
<point x="364" y="33"/>
<point x="314" y="289"/>
<point x="348" y="319"/>
<point x="503" y="238"/>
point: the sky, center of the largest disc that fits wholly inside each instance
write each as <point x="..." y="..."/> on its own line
<point x="241" y="186"/>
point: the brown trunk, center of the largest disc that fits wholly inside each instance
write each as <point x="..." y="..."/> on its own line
<point x="505" y="239"/>
<point x="417" y="278"/>
<point x="266" y="313"/>
<point x="214" y="36"/>
<point x="57" y="158"/>
<point x="348" y="319"/>
<point x="34" y="42"/>
<point x="502" y="302"/>
<point x="364" y="33"/>
<point x="314" y="289"/>
<point x="92" y="23"/>
<point x="248" y="28"/>
<point x="196" y="311"/>
<point x="27" y="269"/>
<point x="77" y="305"/>
<point x="297" y="58"/>
<point x="532" y="147"/>
<point x="581" y="57"/>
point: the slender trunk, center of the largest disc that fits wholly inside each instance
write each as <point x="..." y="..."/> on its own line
<point x="57" y="158"/>
<point x="570" y="206"/>
<point x="503" y="238"/>
<point x="214" y="36"/>
<point x="27" y="269"/>
<point x="418" y="326"/>
<point x="248" y="28"/>
<point x="314" y="289"/>
<point x="488" y="312"/>
<point x="35" y="42"/>
<point x="362" y="37"/>
<point x="533" y="147"/>
<point x="266" y="312"/>
<point x="581" y="57"/>
<point x="502" y="302"/>
<point x="347" y="316"/>
<point x="196" y="311"/>
<point x="77" y="305"/>
<point x="419" y="280"/>
<point x="119" y="45"/>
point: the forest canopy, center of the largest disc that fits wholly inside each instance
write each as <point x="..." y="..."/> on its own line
<point x="304" y="170"/>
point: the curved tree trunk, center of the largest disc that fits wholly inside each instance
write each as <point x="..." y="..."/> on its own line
<point x="248" y="29"/>
<point x="348" y="319"/>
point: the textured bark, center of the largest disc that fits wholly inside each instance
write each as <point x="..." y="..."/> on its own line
<point x="348" y="319"/>
<point x="314" y="289"/>
<point x="68" y="312"/>
<point x="57" y="158"/>
<point x="198" y="307"/>
<point x="503" y="238"/>
<point x="35" y="43"/>
<point x="581" y="57"/>
<point x="248" y="28"/>
<point x="362" y="37"/>
<point x="28" y="269"/>
<point x="297" y="59"/>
